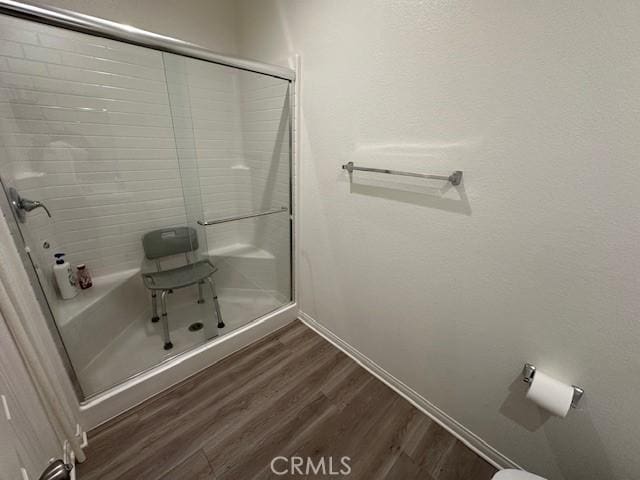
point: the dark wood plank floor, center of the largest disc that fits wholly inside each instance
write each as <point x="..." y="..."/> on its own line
<point x="290" y="394"/>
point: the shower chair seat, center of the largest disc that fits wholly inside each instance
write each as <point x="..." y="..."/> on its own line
<point x="180" y="277"/>
<point x="168" y="242"/>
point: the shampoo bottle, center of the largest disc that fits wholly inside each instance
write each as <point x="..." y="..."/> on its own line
<point x="65" y="278"/>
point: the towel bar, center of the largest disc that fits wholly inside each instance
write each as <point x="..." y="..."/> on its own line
<point x="455" y="178"/>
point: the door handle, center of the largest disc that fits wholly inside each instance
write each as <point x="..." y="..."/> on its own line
<point x="21" y="205"/>
<point x="57" y="470"/>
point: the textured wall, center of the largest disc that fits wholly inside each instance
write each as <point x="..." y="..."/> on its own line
<point x="534" y="258"/>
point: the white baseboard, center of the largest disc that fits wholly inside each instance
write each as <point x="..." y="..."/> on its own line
<point x="466" y="436"/>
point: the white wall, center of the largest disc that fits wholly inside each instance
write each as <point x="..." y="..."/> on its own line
<point x="534" y="258"/>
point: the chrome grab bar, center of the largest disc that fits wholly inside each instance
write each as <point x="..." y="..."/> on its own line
<point x="455" y="178"/>
<point x="206" y="223"/>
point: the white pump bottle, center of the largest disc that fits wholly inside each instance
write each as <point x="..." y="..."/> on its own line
<point x="66" y="280"/>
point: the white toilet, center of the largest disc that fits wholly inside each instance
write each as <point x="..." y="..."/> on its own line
<point x="510" y="474"/>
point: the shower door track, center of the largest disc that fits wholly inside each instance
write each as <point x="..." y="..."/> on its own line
<point x="59" y="17"/>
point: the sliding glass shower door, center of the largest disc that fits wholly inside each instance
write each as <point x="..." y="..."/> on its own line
<point x="161" y="174"/>
<point x="232" y="131"/>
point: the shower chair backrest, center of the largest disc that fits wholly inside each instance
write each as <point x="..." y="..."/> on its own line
<point x="169" y="241"/>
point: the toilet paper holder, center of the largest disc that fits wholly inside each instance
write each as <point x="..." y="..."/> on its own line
<point x="529" y="371"/>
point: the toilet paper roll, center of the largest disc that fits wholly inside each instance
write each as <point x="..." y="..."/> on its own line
<point x="550" y="394"/>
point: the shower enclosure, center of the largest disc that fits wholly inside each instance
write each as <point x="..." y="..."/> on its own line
<point x="114" y="140"/>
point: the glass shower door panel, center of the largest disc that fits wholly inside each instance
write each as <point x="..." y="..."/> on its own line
<point x="86" y="129"/>
<point x="236" y="128"/>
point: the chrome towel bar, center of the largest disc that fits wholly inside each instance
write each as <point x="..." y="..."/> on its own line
<point x="455" y="178"/>
<point x="206" y="223"/>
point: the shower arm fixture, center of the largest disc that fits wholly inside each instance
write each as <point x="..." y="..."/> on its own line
<point x="455" y="178"/>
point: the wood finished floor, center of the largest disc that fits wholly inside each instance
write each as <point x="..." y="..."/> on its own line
<point x="291" y="393"/>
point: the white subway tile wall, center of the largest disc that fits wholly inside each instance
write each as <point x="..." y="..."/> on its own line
<point x="116" y="145"/>
<point x="86" y="128"/>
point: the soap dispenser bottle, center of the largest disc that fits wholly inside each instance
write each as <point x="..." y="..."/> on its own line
<point x="65" y="278"/>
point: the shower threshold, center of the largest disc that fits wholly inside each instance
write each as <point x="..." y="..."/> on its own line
<point x="102" y="406"/>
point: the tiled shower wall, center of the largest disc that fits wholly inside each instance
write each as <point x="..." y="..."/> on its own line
<point x="87" y="127"/>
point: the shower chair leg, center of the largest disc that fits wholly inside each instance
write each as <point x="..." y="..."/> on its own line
<point x="165" y="321"/>
<point x="215" y="302"/>
<point x="200" y="297"/>
<point x="154" y="307"/>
